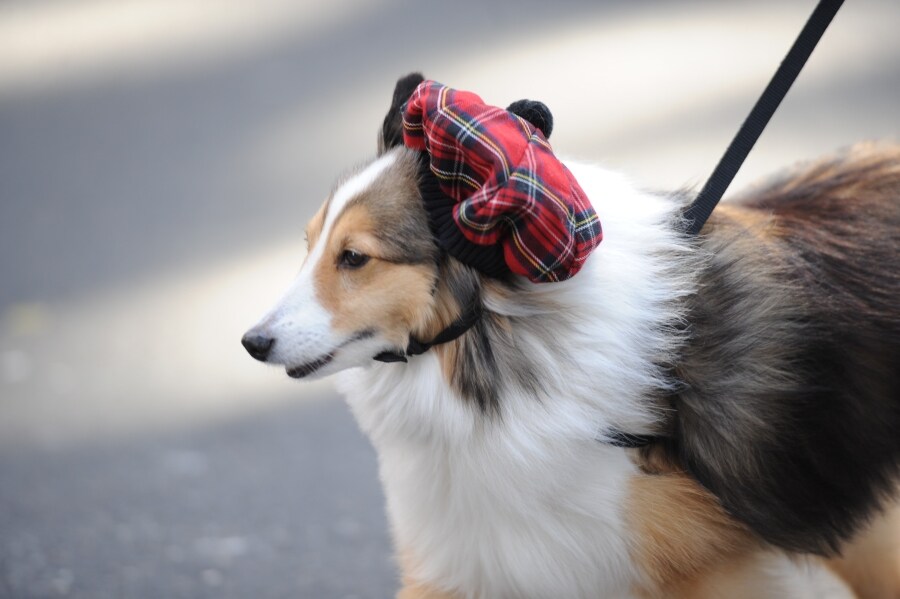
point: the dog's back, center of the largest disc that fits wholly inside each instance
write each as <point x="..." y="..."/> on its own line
<point x="792" y="404"/>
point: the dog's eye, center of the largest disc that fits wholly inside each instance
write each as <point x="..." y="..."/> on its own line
<point x="353" y="259"/>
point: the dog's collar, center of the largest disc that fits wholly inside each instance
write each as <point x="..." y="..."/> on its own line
<point x="456" y="329"/>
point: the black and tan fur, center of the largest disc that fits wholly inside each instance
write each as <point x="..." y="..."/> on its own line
<point x="791" y="409"/>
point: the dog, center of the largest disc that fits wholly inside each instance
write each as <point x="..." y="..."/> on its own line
<point x="759" y="360"/>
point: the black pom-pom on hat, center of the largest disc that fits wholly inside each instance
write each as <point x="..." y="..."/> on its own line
<point x="535" y="113"/>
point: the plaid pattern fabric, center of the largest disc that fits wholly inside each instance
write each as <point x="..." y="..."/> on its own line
<point x="507" y="186"/>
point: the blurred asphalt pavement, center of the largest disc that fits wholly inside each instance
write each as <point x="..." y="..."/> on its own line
<point x="158" y="161"/>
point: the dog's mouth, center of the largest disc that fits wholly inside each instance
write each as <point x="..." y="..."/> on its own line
<point x="298" y="372"/>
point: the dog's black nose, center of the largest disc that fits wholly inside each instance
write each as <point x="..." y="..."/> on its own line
<point x="257" y="345"/>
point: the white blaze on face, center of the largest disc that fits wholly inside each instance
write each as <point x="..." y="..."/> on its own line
<point x="299" y="324"/>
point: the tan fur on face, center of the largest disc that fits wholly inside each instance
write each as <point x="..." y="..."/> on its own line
<point x="366" y="298"/>
<point x="407" y="290"/>
<point x="392" y="294"/>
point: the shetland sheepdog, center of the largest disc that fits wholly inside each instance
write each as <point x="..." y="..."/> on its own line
<point x="761" y="358"/>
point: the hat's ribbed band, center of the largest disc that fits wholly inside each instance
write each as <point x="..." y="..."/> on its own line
<point x="439" y="206"/>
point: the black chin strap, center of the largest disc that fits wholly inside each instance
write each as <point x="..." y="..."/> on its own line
<point x="415" y="347"/>
<point x="697" y="213"/>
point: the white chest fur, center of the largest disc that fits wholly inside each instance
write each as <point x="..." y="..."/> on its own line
<point x="499" y="513"/>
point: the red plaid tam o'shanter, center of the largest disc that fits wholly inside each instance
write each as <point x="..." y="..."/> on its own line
<point x="500" y="200"/>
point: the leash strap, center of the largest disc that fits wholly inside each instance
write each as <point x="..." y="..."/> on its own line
<point x="697" y="213"/>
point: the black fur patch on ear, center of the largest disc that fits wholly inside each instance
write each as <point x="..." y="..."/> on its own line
<point x="535" y="113"/>
<point x="391" y="133"/>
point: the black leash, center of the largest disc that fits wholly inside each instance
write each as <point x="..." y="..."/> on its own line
<point x="697" y="213"/>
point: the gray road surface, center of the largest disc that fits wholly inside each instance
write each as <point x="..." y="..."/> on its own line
<point x="283" y="503"/>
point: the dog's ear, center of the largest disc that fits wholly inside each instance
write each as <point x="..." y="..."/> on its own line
<point x="535" y="113"/>
<point x="391" y="133"/>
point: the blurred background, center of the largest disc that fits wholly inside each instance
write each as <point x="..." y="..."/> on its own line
<point x="158" y="162"/>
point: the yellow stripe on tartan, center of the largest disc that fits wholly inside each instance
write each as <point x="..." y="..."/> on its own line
<point x="518" y="176"/>
<point x="539" y="140"/>
<point x="465" y="125"/>
<point x="454" y="177"/>
<point x="481" y="228"/>
<point x="542" y="267"/>
<point x="485" y="140"/>
<point x="592" y="217"/>
<point x="529" y="255"/>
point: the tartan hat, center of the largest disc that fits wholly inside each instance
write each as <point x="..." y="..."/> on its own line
<point x="497" y="197"/>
